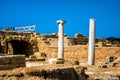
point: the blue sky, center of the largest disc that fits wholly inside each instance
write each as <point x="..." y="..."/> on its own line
<point x="45" y="13"/>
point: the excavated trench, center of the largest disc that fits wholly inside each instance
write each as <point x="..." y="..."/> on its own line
<point x="20" y="47"/>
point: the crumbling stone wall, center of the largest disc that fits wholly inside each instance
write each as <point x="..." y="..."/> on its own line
<point x="11" y="61"/>
<point x="78" y="39"/>
<point x="81" y="52"/>
<point x="6" y="37"/>
<point x="45" y="73"/>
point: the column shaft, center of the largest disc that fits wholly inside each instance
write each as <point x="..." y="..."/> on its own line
<point x="61" y="42"/>
<point x="61" y="39"/>
<point x="91" y="48"/>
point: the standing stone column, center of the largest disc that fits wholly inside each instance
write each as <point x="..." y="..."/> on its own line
<point x="61" y="39"/>
<point x="91" y="49"/>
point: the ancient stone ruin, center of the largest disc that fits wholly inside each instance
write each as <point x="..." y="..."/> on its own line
<point x="12" y="61"/>
<point x="29" y="55"/>
<point x="18" y="43"/>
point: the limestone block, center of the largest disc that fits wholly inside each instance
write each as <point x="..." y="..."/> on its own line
<point x="51" y="60"/>
<point x="19" y="38"/>
<point x="8" y="66"/>
<point x="35" y="59"/>
<point x="32" y="57"/>
<point x="4" y="60"/>
<point x="105" y="77"/>
<point x="40" y="55"/>
<point x="78" y="35"/>
<point x="23" y="38"/>
<point x="17" y="59"/>
<point x="22" y="65"/>
<point x="32" y="41"/>
<point x="37" y="54"/>
<point x="58" y="62"/>
<point x="68" y="63"/>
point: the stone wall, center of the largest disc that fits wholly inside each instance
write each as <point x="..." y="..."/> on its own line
<point x="45" y="73"/>
<point x="11" y="61"/>
<point x="77" y="41"/>
<point x="81" y="52"/>
<point x="6" y="37"/>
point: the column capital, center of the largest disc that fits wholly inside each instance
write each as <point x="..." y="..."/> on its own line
<point x="92" y="19"/>
<point x="61" y="21"/>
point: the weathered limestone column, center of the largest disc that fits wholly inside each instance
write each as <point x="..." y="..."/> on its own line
<point x="61" y="39"/>
<point x="91" y="48"/>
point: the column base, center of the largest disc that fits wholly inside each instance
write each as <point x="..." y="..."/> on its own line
<point x="60" y="59"/>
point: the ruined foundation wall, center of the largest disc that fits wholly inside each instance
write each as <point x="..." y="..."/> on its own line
<point x="81" y="52"/>
<point x="12" y="61"/>
<point x="45" y="73"/>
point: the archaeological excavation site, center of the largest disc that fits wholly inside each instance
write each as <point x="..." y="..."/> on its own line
<point x="27" y="55"/>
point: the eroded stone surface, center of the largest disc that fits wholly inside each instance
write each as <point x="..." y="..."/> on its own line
<point x="46" y="73"/>
<point x="12" y="61"/>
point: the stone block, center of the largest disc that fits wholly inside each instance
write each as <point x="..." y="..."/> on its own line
<point x="22" y="65"/>
<point x="59" y="62"/>
<point x="52" y="60"/>
<point x="4" y="60"/>
<point x="68" y="63"/>
<point x="7" y="67"/>
<point x="11" y="66"/>
<point x="12" y="61"/>
<point x="40" y="54"/>
<point x="105" y="78"/>
<point x="32" y="57"/>
<point x="35" y="59"/>
<point x="16" y="59"/>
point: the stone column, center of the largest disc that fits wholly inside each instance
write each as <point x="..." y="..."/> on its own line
<point x="91" y="47"/>
<point x="61" y="39"/>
